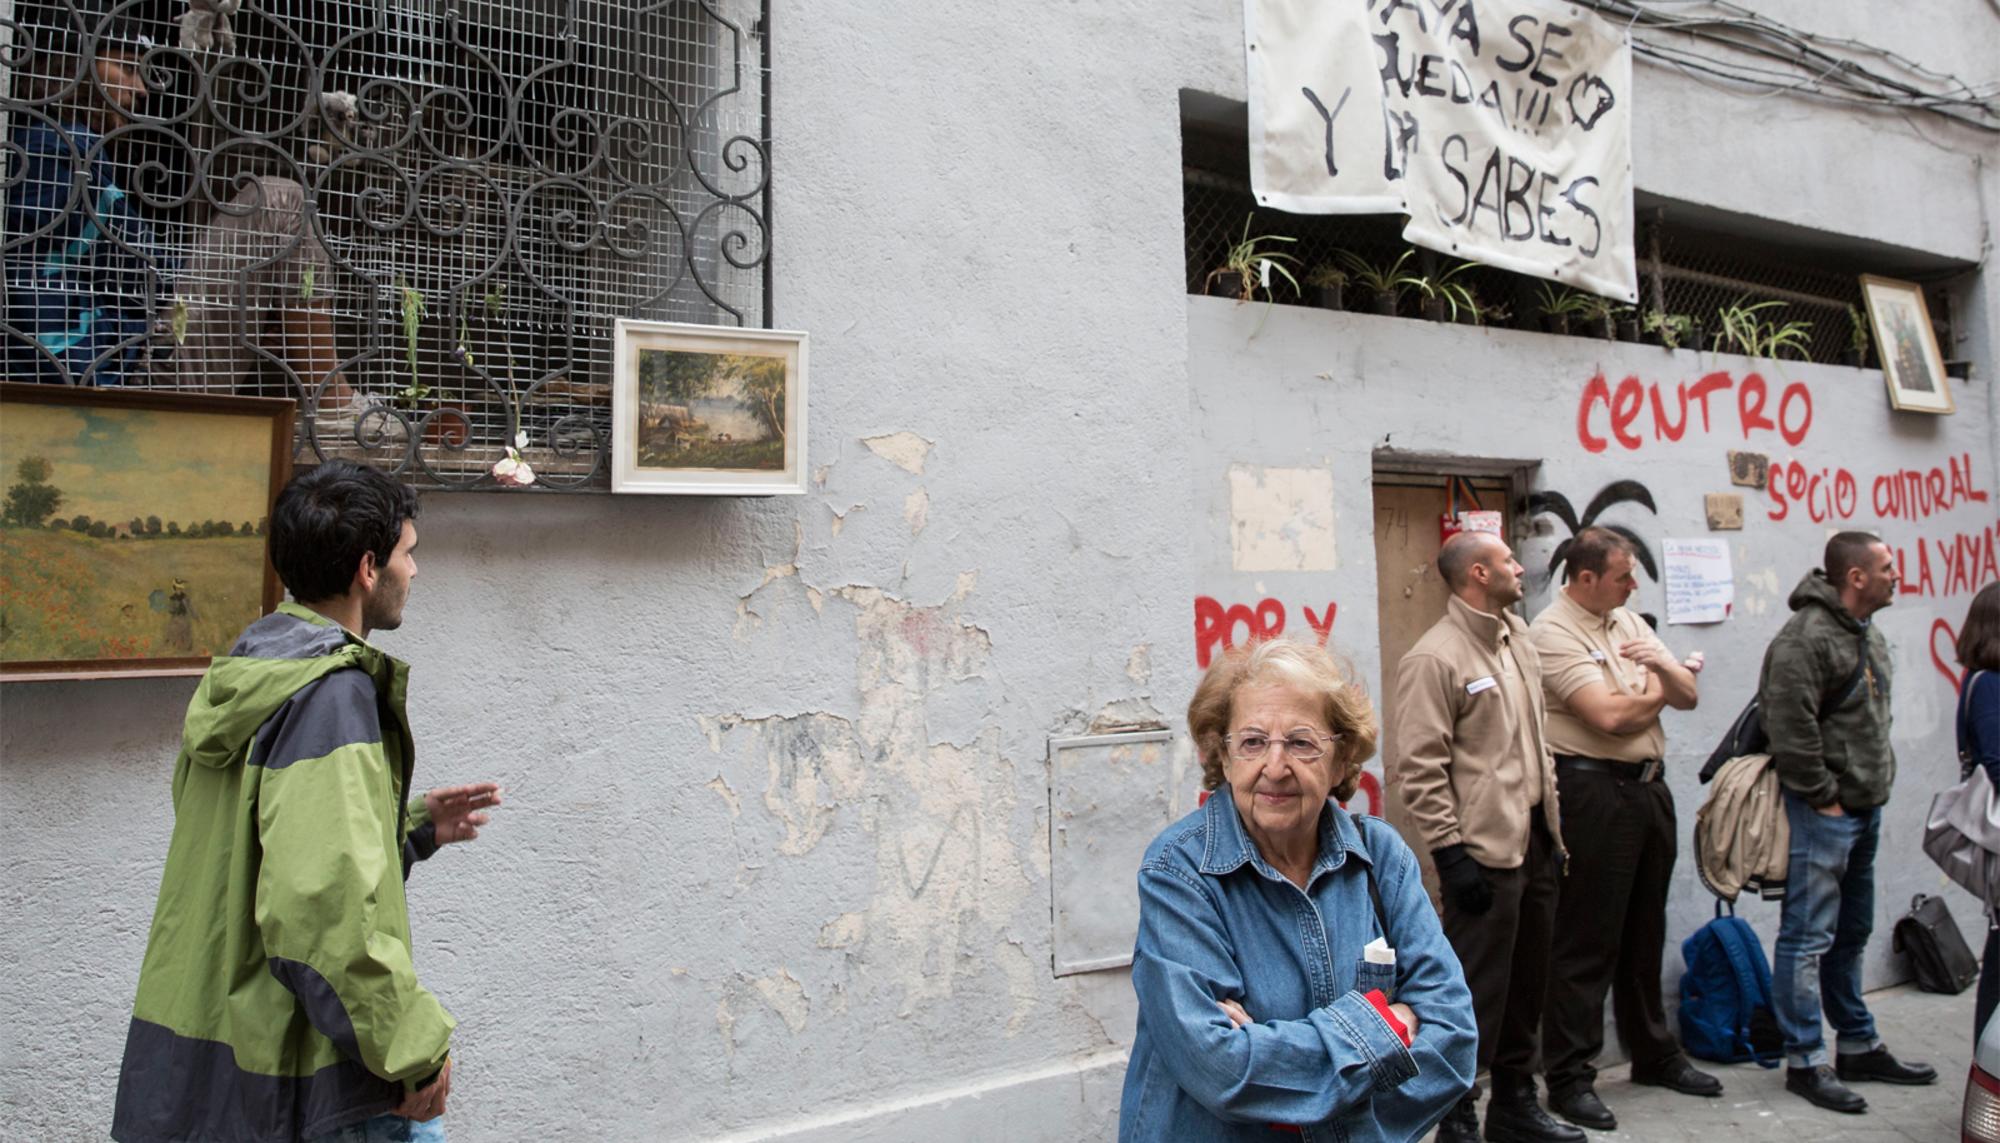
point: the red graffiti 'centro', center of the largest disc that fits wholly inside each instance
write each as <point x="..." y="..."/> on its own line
<point x="1624" y="407"/>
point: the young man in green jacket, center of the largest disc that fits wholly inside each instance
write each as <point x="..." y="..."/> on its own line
<point x="1825" y="700"/>
<point x="278" y="1001"/>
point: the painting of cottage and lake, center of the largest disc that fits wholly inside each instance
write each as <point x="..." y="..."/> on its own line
<point x="711" y="410"/>
<point x="132" y="527"/>
<point x="704" y="410"/>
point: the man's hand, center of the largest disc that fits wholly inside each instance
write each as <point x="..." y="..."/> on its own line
<point x="1831" y="809"/>
<point x="1236" y="1014"/>
<point x="1463" y="880"/>
<point x="1647" y="654"/>
<point x="427" y="1102"/>
<point x="457" y="811"/>
<point x="1408" y="1017"/>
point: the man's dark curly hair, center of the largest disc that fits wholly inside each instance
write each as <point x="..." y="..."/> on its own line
<point x="327" y="517"/>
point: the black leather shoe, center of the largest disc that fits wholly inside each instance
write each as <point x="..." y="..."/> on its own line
<point x="1462" y="1125"/>
<point x="1583" y="1108"/>
<point x="1823" y="1089"/>
<point x="1880" y="1065"/>
<point x="1517" y="1117"/>
<point x="1681" y="1076"/>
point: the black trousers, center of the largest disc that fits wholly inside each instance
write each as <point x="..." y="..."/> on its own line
<point x="1611" y="926"/>
<point x="1505" y="951"/>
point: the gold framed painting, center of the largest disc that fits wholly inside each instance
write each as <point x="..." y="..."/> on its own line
<point x="1907" y="346"/>
<point x="132" y="529"/>
<point x="708" y="411"/>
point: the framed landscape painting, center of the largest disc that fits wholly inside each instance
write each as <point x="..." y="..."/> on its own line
<point x="708" y="411"/>
<point x="132" y="527"/>
<point x="1907" y="345"/>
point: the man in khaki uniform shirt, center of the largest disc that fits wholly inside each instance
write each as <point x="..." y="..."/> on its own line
<point x="1480" y="789"/>
<point x="1607" y="676"/>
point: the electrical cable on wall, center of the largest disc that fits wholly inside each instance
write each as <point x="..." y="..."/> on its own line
<point x="1785" y="60"/>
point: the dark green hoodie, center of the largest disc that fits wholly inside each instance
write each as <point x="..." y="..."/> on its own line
<point x="1840" y="753"/>
<point x="278" y="1000"/>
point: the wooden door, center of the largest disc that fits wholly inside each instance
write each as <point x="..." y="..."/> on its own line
<point x="1410" y="597"/>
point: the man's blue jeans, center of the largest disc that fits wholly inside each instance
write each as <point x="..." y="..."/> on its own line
<point x="388" y="1129"/>
<point x="1829" y="912"/>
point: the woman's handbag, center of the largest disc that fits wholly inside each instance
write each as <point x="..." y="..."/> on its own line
<point x="1962" y="831"/>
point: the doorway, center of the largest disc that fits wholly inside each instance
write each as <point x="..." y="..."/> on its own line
<point x="1411" y="494"/>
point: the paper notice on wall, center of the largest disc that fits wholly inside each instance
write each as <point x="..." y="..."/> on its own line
<point x="1700" y="585"/>
<point x="1503" y="130"/>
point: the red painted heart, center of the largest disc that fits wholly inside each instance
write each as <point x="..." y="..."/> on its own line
<point x="1947" y="663"/>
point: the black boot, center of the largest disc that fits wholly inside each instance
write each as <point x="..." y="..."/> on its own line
<point x="1462" y="1124"/>
<point x="1880" y="1065"/>
<point x="1823" y="1089"/>
<point x="1514" y="1115"/>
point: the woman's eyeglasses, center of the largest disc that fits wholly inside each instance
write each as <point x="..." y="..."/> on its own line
<point x="1302" y="745"/>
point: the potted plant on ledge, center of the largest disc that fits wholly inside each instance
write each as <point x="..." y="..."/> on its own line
<point x="1246" y="264"/>
<point x="1856" y="353"/>
<point x="1557" y="305"/>
<point x="1385" y="284"/>
<point x="1669" y="330"/>
<point x="1443" y="298"/>
<point x="1329" y="285"/>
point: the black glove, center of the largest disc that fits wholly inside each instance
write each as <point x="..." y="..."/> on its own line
<point x="1464" y="880"/>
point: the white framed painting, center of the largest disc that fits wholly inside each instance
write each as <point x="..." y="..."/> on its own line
<point x="1906" y="344"/>
<point x="700" y="410"/>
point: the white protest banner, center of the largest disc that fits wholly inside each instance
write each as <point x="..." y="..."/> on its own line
<point x="1700" y="584"/>
<point x="1502" y="128"/>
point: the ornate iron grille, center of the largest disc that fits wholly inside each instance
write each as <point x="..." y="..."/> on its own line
<point x="1682" y="271"/>
<point x="418" y="218"/>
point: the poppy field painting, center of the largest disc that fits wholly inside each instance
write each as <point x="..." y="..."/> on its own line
<point x="132" y="527"/>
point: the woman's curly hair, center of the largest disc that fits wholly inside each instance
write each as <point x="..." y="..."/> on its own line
<point x="1283" y="662"/>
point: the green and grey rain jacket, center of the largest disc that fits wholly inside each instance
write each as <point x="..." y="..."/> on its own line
<point x="278" y="1000"/>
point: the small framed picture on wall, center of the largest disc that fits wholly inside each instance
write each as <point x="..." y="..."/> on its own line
<point x="708" y="411"/>
<point x="1907" y="346"/>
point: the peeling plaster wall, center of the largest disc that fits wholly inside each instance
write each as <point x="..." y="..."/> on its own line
<point x="774" y="856"/>
<point x="774" y="863"/>
<point x="1311" y="389"/>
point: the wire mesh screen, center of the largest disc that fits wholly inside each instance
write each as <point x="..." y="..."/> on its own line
<point x="1688" y="277"/>
<point x="418" y="218"/>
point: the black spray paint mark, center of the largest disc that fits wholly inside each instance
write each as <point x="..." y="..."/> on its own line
<point x="1616" y="492"/>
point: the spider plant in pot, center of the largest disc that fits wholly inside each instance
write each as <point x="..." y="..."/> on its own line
<point x="1385" y="284"/>
<point x="1739" y="327"/>
<point x="1596" y="316"/>
<point x="1856" y="353"/>
<point x="1249" y="264"/>
<point x="1774" y="339"/>
<point x="1557" y="305"/>
<point x="1670" y="330"/>
<point x="1443" y="298"/>
<point x="1628" y="323"/>
<point x="1329" y="286"/>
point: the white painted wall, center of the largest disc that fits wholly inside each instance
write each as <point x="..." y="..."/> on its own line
<point x="1319" y="391"/>
<point x="774" y="863"/>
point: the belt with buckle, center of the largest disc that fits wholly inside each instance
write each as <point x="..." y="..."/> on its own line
<point x="1647" y="771"/>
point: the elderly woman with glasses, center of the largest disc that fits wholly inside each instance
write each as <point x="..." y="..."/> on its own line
<point x="1291" y="973"/>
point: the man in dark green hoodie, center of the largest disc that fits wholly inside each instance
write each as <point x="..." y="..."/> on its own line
<point x="1825" y="701"/>
<point x="278" y="1001"/>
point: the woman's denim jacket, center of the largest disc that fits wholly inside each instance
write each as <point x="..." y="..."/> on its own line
<point x="1217" y="922"/>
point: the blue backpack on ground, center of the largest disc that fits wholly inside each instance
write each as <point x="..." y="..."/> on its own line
<point x="1726" y="1013"/>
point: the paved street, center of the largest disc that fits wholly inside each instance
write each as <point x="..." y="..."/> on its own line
<point x="1756" y="1106"/>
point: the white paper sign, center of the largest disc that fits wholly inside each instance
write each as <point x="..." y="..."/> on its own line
<point x="1700" y="585"/>
<point x="1501" y="128"/>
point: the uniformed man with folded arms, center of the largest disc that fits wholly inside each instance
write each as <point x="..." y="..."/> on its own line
<point x="1606" y="678"/>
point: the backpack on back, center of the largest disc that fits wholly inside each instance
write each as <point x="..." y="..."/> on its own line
<point x="1726" y="1013"/>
